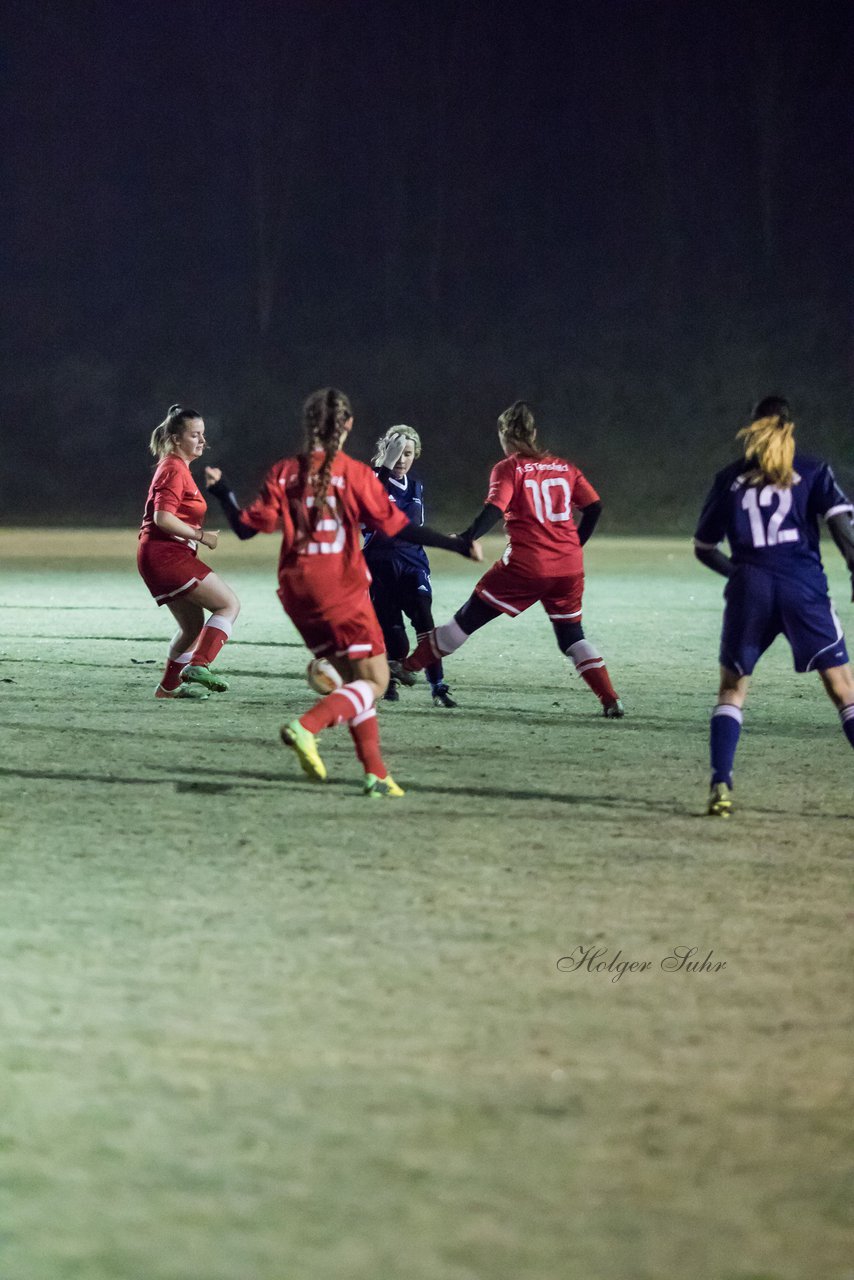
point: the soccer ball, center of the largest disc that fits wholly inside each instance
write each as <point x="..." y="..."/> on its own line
<point x="322" y="676"/>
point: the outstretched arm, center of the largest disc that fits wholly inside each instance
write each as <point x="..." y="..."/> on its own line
<point x="483" y="522"/>
<point x="841" y="529"/>
<point x="218" y="486"/>
<point x="424" y="536"/>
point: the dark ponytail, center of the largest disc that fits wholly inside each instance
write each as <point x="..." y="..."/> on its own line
<point x="517" y="429"/>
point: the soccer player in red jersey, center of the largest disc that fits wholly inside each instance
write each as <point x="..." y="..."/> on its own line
<point x="169" y="564"/>
<point x="535" y="492"/>
<point x="319" y="500"/>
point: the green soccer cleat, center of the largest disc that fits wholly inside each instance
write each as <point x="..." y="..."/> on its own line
<point x="206" y="677"/>
<point x="720" y="801"/>
<point x="293" y="735"/>
<point x="194" y="691"/>
<point x="613" y="710"/>
<point x="377" y="788"/>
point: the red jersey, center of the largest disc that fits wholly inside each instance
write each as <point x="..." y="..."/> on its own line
<point x="537" y="496"/>
<point x="172" y="489"/>
<point x="325" y="574"/>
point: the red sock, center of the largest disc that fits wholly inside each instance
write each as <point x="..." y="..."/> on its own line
<point x="590" y="665"/>
<point x="435" y="645"/>
<point x="597" y="679"/>
<point x="423" y="655"/>
<point x="352" y="700"/>
<point x="209" y="643"/>
<point x="171" y="678"/>
<point x="365" y="733"/>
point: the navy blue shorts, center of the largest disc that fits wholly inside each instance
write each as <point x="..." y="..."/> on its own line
<point x="398" y="588"/>
<point x="760" y="607"/>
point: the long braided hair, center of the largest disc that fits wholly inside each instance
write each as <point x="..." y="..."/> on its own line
<point x="324" y="417"/>
<point x="769" y="441"/>
<point x="516" y="428"/>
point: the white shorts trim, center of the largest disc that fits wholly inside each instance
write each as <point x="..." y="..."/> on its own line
<point x="555" y="617"/>
<point x="167" y="595"/>
<point x="500" y="604"/>
<point x="840" y="635"/>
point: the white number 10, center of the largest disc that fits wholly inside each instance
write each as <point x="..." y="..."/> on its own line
<point x="544" y="502"/>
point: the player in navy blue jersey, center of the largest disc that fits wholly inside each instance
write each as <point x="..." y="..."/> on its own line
<point x="401" y="574"/>
<point x="768" y="506"/>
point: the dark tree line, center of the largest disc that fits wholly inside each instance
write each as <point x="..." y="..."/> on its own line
<point x="636" y="213"/>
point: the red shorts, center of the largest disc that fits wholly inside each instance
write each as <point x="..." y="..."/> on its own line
<point x="169" y="569"/>
<point x="513" y="592"/>
<point x="356" y="635"/>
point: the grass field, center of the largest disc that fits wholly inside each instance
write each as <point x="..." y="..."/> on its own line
<point x="256" y="1030"/>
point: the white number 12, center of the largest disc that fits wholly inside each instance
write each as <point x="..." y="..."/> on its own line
<point x="773" y="534"/>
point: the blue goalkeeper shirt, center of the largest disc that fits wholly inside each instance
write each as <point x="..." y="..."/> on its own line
<point x="407" y="493"/>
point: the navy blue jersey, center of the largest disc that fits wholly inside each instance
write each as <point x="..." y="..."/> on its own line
<point x="407" y="493"/>
<point x="773" y="528"/>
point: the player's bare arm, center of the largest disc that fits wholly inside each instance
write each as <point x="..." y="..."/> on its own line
<point x="171" y="524"/>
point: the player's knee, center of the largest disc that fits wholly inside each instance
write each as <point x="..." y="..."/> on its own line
<point x="474" y="614"/>
<point x="733" y="686"/>
<point x="567" y="634"/>
<point x="839" y="683"/>
<point x="224" y="605"/>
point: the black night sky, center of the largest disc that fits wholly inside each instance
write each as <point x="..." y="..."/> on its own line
<point x="636" y="214"/>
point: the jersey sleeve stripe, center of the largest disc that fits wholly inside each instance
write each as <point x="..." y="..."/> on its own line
<point x="838" y="511"/>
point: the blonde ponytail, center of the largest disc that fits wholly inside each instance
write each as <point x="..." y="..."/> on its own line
<point x="770" y="443"/>
<point x="165" y="434"/>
